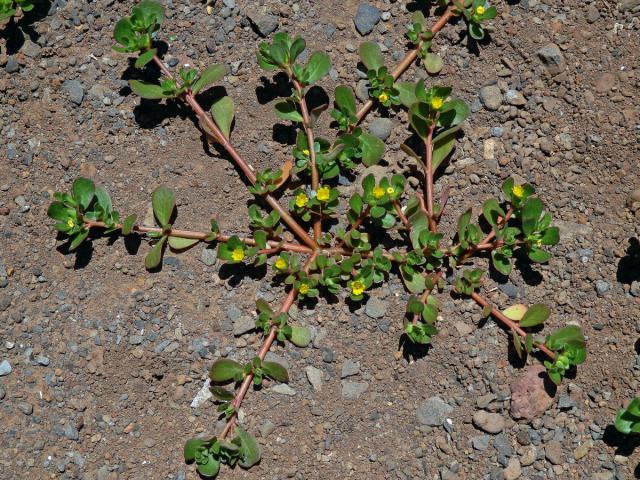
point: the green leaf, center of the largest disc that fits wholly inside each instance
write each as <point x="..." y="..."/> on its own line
<point x="476" y="31"/>
<point x="123" y="33"/>
<point x="300" y="336"/>
<point x="275" y="371"/>
<point x="535" y="315"/>
<point x="528" y="343"/>
<point x="191" y="447"/>
<point x="417" y="118"/>
<point x="372" y="149"/>
<point x="463" y="223"/>
<point x="145" y="58"/>
<point x="127" y="225"/>
<point x="492" y="211"/>
<point x="249" y="449"/>
<point x="454" y="112"/>
<point x="318" y="66"/>
<point x="163" y="202"/>
<point x="181" y="243"/>
<point x="147" y="90"/>
<point x="371" y="55"/>
<point x="517" y="343"/>
<point x="539" y="256"/>
<point x="83" y="191"/>
<point x="224" y="370"/>
<point x="58" y="211"/>
<point x="78" y="238"/>
<point x="210" y="75"/>
<point x="433" y="63"/>
<point x="531" y="212"/>
<point x="345" y="100"/>
<point x="210" y="468"/>
<point x="443" y="144"/>
<point x="566" y="335"/>
<point x="501" y="262"/>
<point x="551" y="236"/>
<point x="407" y="93"/>
<point x="154" y="257"/>
<point x="221" y="393"/>
<point x="288" y="110"/>
<point x="104" y="200"/>
<point x="222" y="112"/>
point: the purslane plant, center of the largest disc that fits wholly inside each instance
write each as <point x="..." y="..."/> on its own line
<point x="628" y="419"/>
<point x="9" y="8"/>
<point x="387" y="227"/>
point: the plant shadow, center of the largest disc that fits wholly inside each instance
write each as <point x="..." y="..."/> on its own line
<point x="236" y="272"/>
<point x="272" y="88"/>
<point x="412" y="351"/>
<point x="14" y="31"/>
<point x="629" y="265"/>
<point x="624" y="444"/>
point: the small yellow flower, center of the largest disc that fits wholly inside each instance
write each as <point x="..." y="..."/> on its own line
<point x="71" y="223"/>
<point x="281" y="264"/>
<point x="237" y="254"/>
<point x="518" y="191"/>
<point x="306" y="152"/>
<point x="538" y="243"/>
<point x="391" y="190"/>
<point x="304" y="288"/>
<point x="480" y="10"/>
<point x="357" y="287"/>
<point x="383" y="97"/>
<point x="323" y="194"/>
<point x="301" y="199"/>
<point x="378" y="192"/>
<point x="436" y="103"/>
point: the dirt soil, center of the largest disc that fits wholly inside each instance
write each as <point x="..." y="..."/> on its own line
<point x="106" y="358"/>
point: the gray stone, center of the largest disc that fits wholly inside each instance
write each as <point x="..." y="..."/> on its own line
<point x="552" y="58"/>
<point x="366" y="18"/>
<point x="375" y="308"/>
<point x="565" y="402"/>
<point x="5" y="368"/>
<point x="602" y="287"/>
<point x="229" y="3"/>
<point x="491" y="97"/>
<point x="25" y="407"/>
<point x="42" y="360"/>
<point x="71" y="432"/>
<point x="553" y="452"/>
<point x="74" y="90"/>
<point x="30" y="49"/>
<point x="381" y="128"/>
<point x="633" y="198"/>
<point x="243" y="325"/>
<point x="433" y="411"/>
<point x="362" y="90"/>
<point x="266" y="428"/>
<point x="263" y="23"/>
<point x="353" y="390"/>
<point x="314" y="375"/>
<point x="629" y="4"/>
<point x="513" y="470"/>
<point x="12" y="65"/>
<point x="488" y="422"/>
<point x="209" y="256"/>
<point x="283" y="389"/>
<point x="349" y="368"/>
<point x="135" y="339"/>
<point x="514" y="97"/>
<point x="481" y="442"/>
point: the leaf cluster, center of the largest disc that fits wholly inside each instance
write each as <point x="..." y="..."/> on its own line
<point x="209" y="454"/>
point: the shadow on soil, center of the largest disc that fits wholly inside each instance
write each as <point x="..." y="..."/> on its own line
<point x="14" y="31"/>
<point x="629" y="266"/>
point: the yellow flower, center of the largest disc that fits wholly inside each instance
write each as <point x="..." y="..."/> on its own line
<point x="71" y="223"/>
<point x="306" y="152"/>
<point x="518" y="191"/>
<point x="357" y="287"/>
<point x="538" y="243"/>
<point x="323" y="194"/>
<point x="391" y="190"/>
<point x="480" y="10"/>
<point x="237" y="254"/>
<point x="383" y="97"/>
<point x="281" y="264"/>
<point x="436" y="103"/>
<point x="304" y="288"/>
<point x="301" y="199"/>
<point x="378" y="192"/>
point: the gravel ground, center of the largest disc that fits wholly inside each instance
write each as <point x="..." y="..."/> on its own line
<point x="100" y="361"/>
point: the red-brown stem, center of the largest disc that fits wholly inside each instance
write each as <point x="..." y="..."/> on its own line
<point x="248" y="380"/>
<point x="509" y="323"/>
<point x="308" y="129"/>
<point x="428" y="186"/>
<point x="274" y="245"/>
<point x="501" y="222"/>
<point x="401" y="214"/>
<point x="246" y="169"/>
<point x="407" y="61"/>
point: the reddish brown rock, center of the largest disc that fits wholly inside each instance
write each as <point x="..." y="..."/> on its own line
<point x="529" y="397"/>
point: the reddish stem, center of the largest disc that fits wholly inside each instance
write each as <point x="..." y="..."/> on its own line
<point x="406" y="61"/>
<point x="509" y="323"/>
<point x="428" y="186"/>
<point x="246" y="383"/>
<point x="247" y="170"/>
<point x="401" y="214"/>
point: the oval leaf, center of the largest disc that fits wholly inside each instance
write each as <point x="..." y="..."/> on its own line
<point x="181" y="243"/>
<point x="163" y="202"/>
<point x="371" y="55"/>
<point x="275" y="371"/>
<point x="210" y="75"/>
<point x="515" y="312"/>
<point x="127" y="225"/>
<point x="249" y="449"/>
<point x="224" y="370"/>
<point x="300" y="336"/>
<point x="535" y="315"/>
<point x="147" y="90"/>
<point x="318" y="66"/>
<point x="433" y="63"/>
<point x="154" y="257"/>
